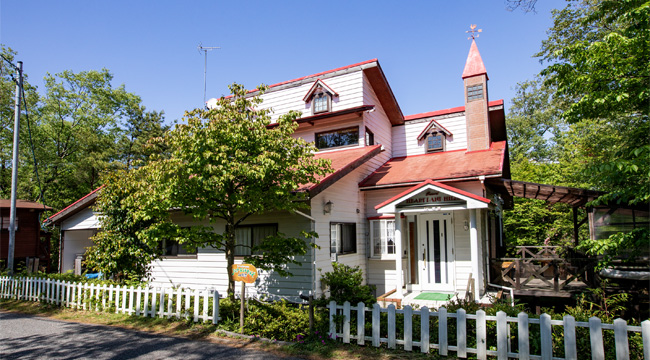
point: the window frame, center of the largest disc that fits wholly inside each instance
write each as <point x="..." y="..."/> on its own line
<point x="177" y="246"/>
<point x="251" y="227"/>
<point x="328" y="100"/>
<point x="316" y="135"/>
<point x="443" y="140"/>
<point x="339" y="242"/>
<point x="369" y="137"/>
<point x="475" y="92"/>
<point x="384" y="237"/>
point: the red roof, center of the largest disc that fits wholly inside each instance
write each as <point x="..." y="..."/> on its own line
<point x="447" y="111"/>
<point x="441" y="166"/>
<point x="474" y="65"/>
<point x="23" y="204"/>
<point x="343" y="162"/>
<point x="74" y="207"/>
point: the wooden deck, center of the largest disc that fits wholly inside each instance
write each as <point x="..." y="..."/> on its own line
<point x="548" y="271"/>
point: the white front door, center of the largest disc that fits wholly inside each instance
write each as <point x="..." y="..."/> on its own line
<point x="436" y="251"/>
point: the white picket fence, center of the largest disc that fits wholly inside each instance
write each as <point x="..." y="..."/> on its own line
<point x="503" y="339"/>
<point x="139" y="301"/>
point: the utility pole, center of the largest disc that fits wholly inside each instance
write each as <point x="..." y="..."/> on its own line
<point x="205" y="50"/>
<point x="14" y="172"/>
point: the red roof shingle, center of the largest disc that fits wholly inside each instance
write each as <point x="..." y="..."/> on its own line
<point x="449" y="165"/>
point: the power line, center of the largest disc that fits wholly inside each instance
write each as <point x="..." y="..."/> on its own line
<point x="31" y="145"/>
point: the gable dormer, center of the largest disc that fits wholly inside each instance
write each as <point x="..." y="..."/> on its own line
<point x="435" y="136"/>
<point x="320" y="95"/>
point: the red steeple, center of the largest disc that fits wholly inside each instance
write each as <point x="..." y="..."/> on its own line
<point x="474" y="65"/>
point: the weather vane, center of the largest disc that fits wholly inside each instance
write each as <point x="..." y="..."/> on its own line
<point x="473" y="32"/>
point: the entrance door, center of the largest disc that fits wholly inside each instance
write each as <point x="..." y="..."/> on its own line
<point x="436" y="251"/>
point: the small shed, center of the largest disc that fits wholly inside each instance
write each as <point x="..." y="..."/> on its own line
<point x="32" y="244"/>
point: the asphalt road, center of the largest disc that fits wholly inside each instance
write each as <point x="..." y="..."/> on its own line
<point x="30" y="337"/>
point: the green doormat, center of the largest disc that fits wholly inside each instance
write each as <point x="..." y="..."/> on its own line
<point x="433" y="296"/>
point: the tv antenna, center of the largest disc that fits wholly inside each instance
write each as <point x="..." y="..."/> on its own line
<point x="205" y="50"/>
<point x="473" y="33"/>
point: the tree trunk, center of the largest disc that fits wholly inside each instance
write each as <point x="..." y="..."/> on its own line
<point x="230" y="256"/>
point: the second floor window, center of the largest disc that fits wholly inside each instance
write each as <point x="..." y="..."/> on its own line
<point x="336" y="138"/>
<point x="321" y="103"/>
<point x="435" y="142"/>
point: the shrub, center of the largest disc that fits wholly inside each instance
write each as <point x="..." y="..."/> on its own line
<point x="345" y="284"/>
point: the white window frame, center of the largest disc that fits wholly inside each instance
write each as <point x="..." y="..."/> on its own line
<point x="326" y="97"/>
<point x="386" y="227"/>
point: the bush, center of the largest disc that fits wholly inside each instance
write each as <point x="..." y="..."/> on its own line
<point x="345" y="284"/>
<point x="277" y="320"/>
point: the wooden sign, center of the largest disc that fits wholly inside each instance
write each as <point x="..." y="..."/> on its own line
<point x="244" y="272"/>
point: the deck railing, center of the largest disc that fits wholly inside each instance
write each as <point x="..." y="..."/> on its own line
<point x="139" y="301"/>
<point x="385" y="330"/>
<point x="544" y="268"/>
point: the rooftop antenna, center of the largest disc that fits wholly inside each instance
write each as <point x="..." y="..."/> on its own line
<point x="205" y="50"/>
<point x="473" y="33"/>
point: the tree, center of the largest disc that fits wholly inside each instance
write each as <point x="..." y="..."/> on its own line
<point x="142" y="125"/>
<point x="599" y="56"/>
<point x="223" y="166"/>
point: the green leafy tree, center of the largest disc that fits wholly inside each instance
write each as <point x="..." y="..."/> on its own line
<point x="133" y="146"/>
<point x="223" y="166"/>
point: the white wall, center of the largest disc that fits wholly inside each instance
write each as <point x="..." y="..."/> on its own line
<point x="74" y="242"/>
<point x="405" y="136"/>
<point x="208" y="268"/>
<point x="84" y="219"/>
<point x="347" y="86"/>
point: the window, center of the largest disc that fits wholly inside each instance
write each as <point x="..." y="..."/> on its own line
<point x="336" y="138"/>
<point x="343" y="238"/>
<point x="382" y="237"/>
<point x="321" y="102"/>
<point x="248" y="236"/>
<point x="475" y="92"/>
<point x="370" y="138"/>
<point x="173" y="248"/>
<point x="435" y="142"/>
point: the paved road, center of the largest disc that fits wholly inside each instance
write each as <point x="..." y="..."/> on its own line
<point x="30" y="337"/>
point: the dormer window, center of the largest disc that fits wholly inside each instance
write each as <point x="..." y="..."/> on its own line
<point x="434" y="136"/>
<point x="321" y="103"/>
<point x="435" y="142"/>
<point x="320" y="95"/>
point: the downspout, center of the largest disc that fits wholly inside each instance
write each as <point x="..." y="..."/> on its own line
<point x="313" y="252"/>
<point x="60" y="249"/>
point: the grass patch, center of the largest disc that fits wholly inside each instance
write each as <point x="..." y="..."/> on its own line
<point x="315" y="347"/>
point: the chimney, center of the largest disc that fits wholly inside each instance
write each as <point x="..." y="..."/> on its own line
<point x="476" y="101"/>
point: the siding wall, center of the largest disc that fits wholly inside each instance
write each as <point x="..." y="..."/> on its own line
<point x="84" y="219"/>
<point x="74" y="242"/>
<point x="348" y="86"/>
<point x="405" y="136"/>
<point x="208" y="269"/>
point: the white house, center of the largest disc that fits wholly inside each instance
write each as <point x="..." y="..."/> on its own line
<point x="408" y="202"/>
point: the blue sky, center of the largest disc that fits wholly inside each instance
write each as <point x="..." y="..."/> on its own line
<point x="151" y="46"/>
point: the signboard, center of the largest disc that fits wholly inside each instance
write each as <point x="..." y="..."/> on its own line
<point x="431" y="197"/>
<point x="244" y="272"/>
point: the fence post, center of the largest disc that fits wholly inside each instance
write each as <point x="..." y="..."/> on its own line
<point x="346" y="322"/>
<point x="154" y="297"/>
<point x="502" y="340"/>
<point x="546" y="338"/>
<point x="391" y="326"/>
<point x="442" y="331"/>
<point x="481" y="336"/>
<point x="408" y="328"/>
<point x="424" y="330"/>
<point x="332" y="332"/>
<point x="196" y="305"/>
<point x="161" y="305"/>
<point x="206" y="294"/>
<point x="375" y="325"/>
<point x="570" y="349"/>
<point x="620" y="338"/>
<point x="215" y="307"/>
<point x="361" y="323"/>
<point x="522" y="336"/>
<point x="596" y="337"/>
<point x="461" y="333"/>
<point x="138" y="299"/>
<point x="645" y="334"/>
